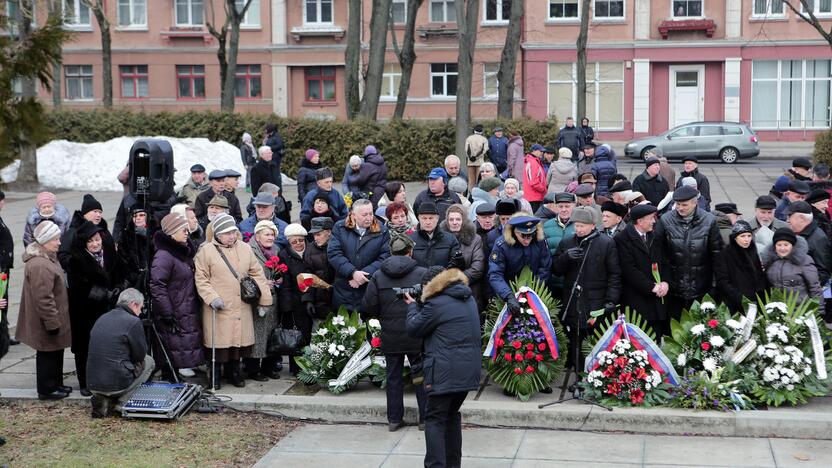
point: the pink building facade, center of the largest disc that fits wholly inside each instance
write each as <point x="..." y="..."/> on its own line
<point x="652" y="64"/>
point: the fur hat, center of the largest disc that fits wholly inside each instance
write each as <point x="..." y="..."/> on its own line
<point x="458" y="185"/>
<point x="583" y="214"/>
<point x="784" y="234"/>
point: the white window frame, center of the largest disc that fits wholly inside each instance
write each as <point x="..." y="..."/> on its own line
<point x="444" y="11"/>
<point x="570" y="19"/>
<point x="499" y="20"/>
<point x="610" y="19"/>
<point x="445" y="75"/>
<point x="597" y="82"/>
<point x="190" y="20"/>
<point x="487" y="75"/>
<point x="317" y="21"/>
<point x="767" y="13"/>
<point x="819" y="14"/>
<point x="247" y="22"/>
<point x="72" y="18"/>
<point x="388" y="82"/>
<point x="83" y="79"/>
<point x="804" y="80"/>
<point x="701" y="11"/>
<point x="404" y="6"/>
<point x="133" y="24"/>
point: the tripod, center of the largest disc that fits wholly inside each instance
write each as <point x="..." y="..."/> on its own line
<point x="575" y="296"/>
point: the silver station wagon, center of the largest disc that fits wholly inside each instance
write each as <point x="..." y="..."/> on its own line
<point x="727" y="141"/>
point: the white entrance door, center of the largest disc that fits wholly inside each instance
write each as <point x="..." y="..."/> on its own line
<point x="687" y="94"/>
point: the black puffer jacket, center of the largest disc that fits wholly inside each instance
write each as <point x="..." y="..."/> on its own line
<point x="739" y="274"/>
<point x="307" y="179"/>
<point x="690" y="246"/>
<point x="449" y="323"/>
<point x="380" y="301"/>
<point x="435" y="251"/>
<point x="316" y="261"/>
<point x="819" y="250"/>
<point x="372" y="177"/>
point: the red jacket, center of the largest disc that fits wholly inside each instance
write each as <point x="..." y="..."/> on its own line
<point x="534" y="179"/>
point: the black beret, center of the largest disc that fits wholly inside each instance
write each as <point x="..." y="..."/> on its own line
<point x="802" y="162"/>
<point x="621" y="186"/>
<point x="639" y="211"/>
<point x="684" y="193"/>
<point x="798" y="186"/>
<point x="727" y="208"/>
<point x="427" y="208"/>
<point x="615" y="208"/>
<point x="690" y="158"/>
<point x="765" y="202"/>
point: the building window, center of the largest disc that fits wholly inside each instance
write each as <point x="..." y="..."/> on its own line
<point x="76" y="13"/>
<point x="497" y="11"/>
<point x="443" y="78"/>
<point x="604" y="93"/>
<point x="190" y="80"/>
<point x="17" y="87"/>
<point x="490" y="84"/>
<point x="442" y="11"/>
<point x="252" y="17"/>
<point x="317" y="12"/>
<point x="819" y="7"/>
<point x="390" y="80"/>
<point x="768" y="8"/>
<point x="790" y="94"/>
<point x="189" y="13"/>
<point x="247" y="82"/>
<point x="133" y="81"/>
<point x="608" y="9"/>
<point x="399" y="11"/>
<point x="563" y="9"/>
<point x="687" y="8"/>
<point x="320" y="84"/>
<point x="132" y="13"/>
<point x="78" y="82"/>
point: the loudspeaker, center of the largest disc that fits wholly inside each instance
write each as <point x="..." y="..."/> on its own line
<point x="151" y="170"/>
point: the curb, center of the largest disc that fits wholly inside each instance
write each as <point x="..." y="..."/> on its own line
<point x="573" y="415"/>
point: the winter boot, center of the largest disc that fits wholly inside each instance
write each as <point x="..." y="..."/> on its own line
<point x="236" y="376"/>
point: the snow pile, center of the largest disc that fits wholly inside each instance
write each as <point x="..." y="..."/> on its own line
<point x="96" y="166"/>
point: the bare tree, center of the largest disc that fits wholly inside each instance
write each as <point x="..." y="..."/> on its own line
<point x="352" y="59"/>
<point x="407" y="54"/>
<point x="467" y="14"/>
<point x="54" y="10"/>
<point x="581" y="46"/>
<point x="508" y="62"/>
<point x="227" y="47"/>
<point x="379" y="21"/>
<point x="808" y="15"/>
<point x="97" y="9"/>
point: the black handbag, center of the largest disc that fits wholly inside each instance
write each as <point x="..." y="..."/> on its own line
<point x="249" y="290"/>
<point x="285" y="341"/>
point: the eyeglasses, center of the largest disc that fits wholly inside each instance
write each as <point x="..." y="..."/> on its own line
<point x="297" y="241"/>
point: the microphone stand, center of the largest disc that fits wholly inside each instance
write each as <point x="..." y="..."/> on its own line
<point x="575" y="296"/>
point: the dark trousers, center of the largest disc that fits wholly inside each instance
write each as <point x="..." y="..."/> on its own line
<point x="443" y="430"/>
<point x="81" y="366"/>
<point x="395" y="386"/>
<point x="49" y="366"/>
<point x="254" y="366"/>
<point x="675" y="306"/>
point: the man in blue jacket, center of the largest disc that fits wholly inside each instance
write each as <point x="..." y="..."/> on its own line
<point x="264" y="210"/>
<point x="498" y="150"/>
<point x="336" y="201"/>
<point x="522" y="244"/>
<point x="448" y="321"/>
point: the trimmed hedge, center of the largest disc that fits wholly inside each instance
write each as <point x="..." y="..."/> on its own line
<point x="411" y="147"/>
<point x="823" y="147"/>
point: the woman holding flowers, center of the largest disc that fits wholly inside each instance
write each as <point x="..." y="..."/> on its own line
<point x="261" y="366"/>
<point x="738" y="270"/>
<point x="297" y="308"/>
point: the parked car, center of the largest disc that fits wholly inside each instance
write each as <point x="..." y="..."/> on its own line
<point x="727" y="141"/>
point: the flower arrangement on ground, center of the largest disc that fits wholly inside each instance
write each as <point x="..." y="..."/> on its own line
<point x="627" y="368"/>
<point x="525" y="353"/>
<point x="700" y="338"/>
<point x="710" y="390"/>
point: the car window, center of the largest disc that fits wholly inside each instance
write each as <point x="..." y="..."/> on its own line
<point x="710" y="130"/>
<point x="732" y="130"/>
<point x="684" y="132"/>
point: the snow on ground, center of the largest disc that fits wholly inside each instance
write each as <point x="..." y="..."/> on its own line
<point x="96" y="166"/>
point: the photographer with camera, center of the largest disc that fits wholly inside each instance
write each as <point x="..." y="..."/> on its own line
<point x="384" y="299"/>
<point x="434" y="247"/>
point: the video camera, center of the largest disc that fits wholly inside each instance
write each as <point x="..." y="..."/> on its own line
<point x="414" y="291"/>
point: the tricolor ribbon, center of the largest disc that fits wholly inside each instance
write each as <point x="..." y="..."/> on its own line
<point x="541" y="314"/>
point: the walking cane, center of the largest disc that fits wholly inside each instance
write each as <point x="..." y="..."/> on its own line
<point x="213" y="349"/>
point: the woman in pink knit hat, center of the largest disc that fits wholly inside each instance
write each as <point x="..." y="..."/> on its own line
<point x="46" y="208"/>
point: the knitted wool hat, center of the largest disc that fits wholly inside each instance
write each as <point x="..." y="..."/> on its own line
<point x="46" y="231"/>
<point x="310" y="153"/>
<point x="173" y="223"/>
<point x="784" y="234"/>
<point x="44" y="198"/>
<point x="265" y="224"/>
<point x="223" y="223"/>
<point x="295" y="229"/>
<point x="90" y="203"/>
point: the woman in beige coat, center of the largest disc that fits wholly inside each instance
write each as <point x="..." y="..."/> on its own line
<point x="220" y="290"/>
<point x="43" y="322"/>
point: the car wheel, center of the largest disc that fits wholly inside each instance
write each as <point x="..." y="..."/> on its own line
<point x="645" y="150"/>
<point x="729" y="155"/>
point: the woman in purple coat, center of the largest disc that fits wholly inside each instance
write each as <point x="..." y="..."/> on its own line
<point x="174" y="298"/>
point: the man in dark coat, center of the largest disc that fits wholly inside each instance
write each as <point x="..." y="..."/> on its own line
<point x="650" y="183"/>
<point x="804" y="225"/>
<point x="118" y="361"/>
<point x="638" y="251"/>
<point x="764" y="223"/>
<point x="6" y="265"/>
<point x="266" y="170"/>
<point x="356" y="249"/>
<point x="315" y="258"/>
<point x="522" y="245"/>
<point x="136" y="249"/>
<point x="819" y="199"/>
<point x="433" y="247"/>
<point x="798" y="191"/>
<point x="336" y="201"/>
<point x="217" y="180"/>
<point x="437" y="193"/>
<point x="90" y="211"/>
<point x="448" y="321"/>
<point x="372" y="177"/>
<point x="381" y="301"/>
<point x="498" y="150"/>
<point x="702" y="184"/>
<point x="690" y="239"/>
<point x="600" y="279"/>
<point x="571" y="137"/>
<point x="275" y="143"/>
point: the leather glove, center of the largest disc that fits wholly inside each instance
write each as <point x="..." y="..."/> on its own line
<point x="262" y="311"/>
<point x="310" y="309"/>
<point x="457" y="260"/>
<point x="97" y="293"/>
<point x="218" y="304"/>
<point x="610" y="309"/>
<point x="575" y="253"/>
<point x="54" y="332"/>
<point x="513" y="305"/>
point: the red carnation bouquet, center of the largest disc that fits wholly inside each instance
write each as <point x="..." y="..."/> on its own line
<point x="625" y="376"/>
<point x="276" y="267"/>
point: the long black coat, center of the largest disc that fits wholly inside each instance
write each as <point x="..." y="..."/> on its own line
<point x="291" y="302"/>
<point x="372" y="177"/>
<point x="636" y="260"/>
<point x="264" y="171"/>
<point x="600" y="280"/>
<point x="136" y="250"/>
<point x="68" y="238"/>
<point x="654" y="189"/>
<point x="380" y="301"/>
<point x="318" y="264"/>
<point x="202" y="200"/>
<point x="85" y="274"/>
<point x="690" y="247"/>
<point x="173" y="294"/>
<point x="739" y="273"/>
<point x="307" y="179"/>
<point x="448" y="321"/>
<point x="436" y="250"/>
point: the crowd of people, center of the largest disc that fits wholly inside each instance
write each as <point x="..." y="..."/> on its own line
<point x="654" y="244"/>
